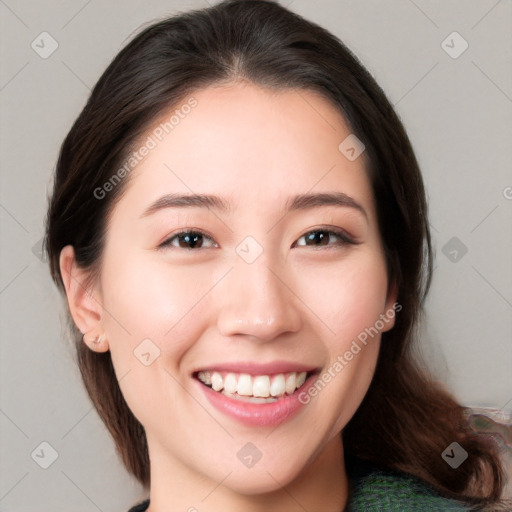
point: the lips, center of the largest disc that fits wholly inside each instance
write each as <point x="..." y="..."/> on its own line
<point x="253" y="394"/>
<point x="258" y="368"/>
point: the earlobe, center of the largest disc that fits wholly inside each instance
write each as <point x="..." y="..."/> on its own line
<point x="96" y="343"/>
<point x="84" y="304"/>
<point x="392" y="307"/>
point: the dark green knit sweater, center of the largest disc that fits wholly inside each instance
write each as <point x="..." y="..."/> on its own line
<point x="373" y="490"/>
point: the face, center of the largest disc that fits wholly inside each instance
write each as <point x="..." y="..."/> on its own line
<point x="264" y="290"/>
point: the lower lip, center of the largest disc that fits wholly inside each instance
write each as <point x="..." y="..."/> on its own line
<point x="258" y="415"/>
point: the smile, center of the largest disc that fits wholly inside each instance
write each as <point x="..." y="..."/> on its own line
<point x="253" y="388"/>
<point x="254" y="394"/>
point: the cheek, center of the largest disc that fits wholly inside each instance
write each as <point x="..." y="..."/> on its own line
<point x="347" y="296"/>
<point x="154" y="315"/>
<point x="349" y="299"/>
<point x="149" y="300"/>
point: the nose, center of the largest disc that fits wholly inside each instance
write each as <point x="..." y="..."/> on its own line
<point x="257" y="302"/>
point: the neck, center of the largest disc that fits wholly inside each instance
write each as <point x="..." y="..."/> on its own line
<point x="322" y="485"/>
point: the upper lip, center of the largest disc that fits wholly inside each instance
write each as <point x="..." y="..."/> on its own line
<point x="258" y="368"/>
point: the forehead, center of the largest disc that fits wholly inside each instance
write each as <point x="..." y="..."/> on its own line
<point x="248" y="144"/>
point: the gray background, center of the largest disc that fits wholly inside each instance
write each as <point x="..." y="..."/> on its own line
<point x="458" y="112"/>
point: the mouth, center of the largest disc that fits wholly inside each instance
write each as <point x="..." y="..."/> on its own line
<point x="253" y="388"/>
<point x="254" y="394"/>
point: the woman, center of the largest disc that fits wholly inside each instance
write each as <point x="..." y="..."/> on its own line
<point x="239" y="225"/>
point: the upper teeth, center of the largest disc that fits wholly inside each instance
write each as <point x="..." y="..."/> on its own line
<point x="253" y="385"/>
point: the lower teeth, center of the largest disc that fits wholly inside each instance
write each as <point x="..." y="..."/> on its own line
<point x="253" y="399"/>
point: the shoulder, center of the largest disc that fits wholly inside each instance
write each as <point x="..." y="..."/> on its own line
<point x="387" y="491"/>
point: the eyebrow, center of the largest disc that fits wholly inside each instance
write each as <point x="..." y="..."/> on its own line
<point x="299" y="202"/>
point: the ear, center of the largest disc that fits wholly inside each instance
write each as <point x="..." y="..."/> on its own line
<point x="84" y="301"/>
<point x="392" y="307"/>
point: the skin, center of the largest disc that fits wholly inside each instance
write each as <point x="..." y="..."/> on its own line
<point x="202" y="306"/>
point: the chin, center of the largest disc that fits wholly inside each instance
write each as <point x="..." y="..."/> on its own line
<point x="265" y="477"/>
<point x="253" y="483"/>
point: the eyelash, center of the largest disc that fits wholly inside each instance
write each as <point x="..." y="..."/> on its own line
<point x="344" y="239"/>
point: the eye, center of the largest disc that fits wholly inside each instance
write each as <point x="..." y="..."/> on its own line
<point x="189" y="240"/>
<point x="322" y="237"/>
<point x="315" y="238"/>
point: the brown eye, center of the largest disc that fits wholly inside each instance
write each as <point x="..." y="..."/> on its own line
<point x="323" y="237"/>
<point x="188" y="240"/>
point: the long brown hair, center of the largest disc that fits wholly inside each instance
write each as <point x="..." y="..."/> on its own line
<point x="405" y="421"/>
